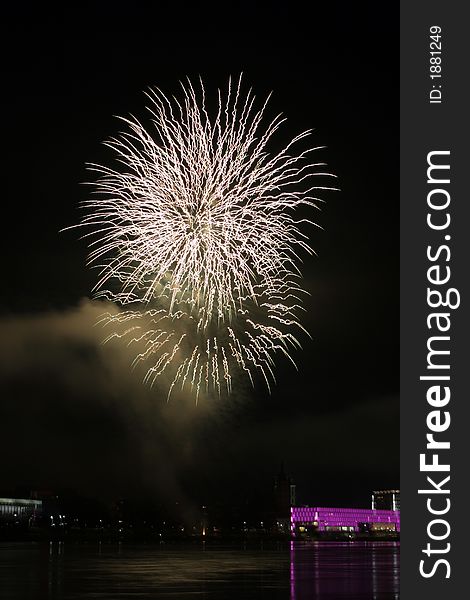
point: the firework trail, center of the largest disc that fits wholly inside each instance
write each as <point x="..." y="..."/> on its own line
<point x="196" y="238"/>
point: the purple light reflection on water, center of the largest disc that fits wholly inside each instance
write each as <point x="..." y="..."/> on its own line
<point x="344" y="570"/>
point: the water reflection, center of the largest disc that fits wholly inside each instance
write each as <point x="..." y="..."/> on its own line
<point x="337" y="570"/>
<point x="299" y="570"/>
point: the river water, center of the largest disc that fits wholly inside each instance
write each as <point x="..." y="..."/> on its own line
<point x="115" y="571"/>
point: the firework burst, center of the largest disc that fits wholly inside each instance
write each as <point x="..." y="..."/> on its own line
<point x="197" y="240"/>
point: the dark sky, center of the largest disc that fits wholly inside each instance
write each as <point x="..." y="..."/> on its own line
<point x="72" y="414"/>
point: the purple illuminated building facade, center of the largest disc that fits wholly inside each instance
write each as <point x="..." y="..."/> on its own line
<point x="343" y="519"/>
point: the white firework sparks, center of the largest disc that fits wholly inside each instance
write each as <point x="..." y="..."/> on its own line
<point x="197" y="239"/>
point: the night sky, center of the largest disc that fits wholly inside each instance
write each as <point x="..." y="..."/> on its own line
<point x="72" y="413"/>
